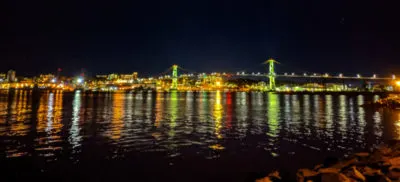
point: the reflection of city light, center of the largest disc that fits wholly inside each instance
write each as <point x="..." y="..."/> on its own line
<point x="273" y="110"/>
<point x="218" y="114"/>
<point x="118" y="116"/>
<point x="74" y="131"/>
<point x="173" y="112"/>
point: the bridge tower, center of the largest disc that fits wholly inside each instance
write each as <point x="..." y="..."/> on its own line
<point x="174" y="85"/>
<point x="271" y="73"/>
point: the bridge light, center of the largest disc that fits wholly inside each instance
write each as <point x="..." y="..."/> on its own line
<point x="252" y="73"/>
<point x="358" y="76"/>
<point x="340" y="75"/>
<point x="326" y="75"/>
<point x="374" y="76"/>
<point x="292" y="74"/>
<point x="305" y="74"/>
<point x="243" y="73"/>
<point x="237" y="73"/>
<point x="53" y="80"/>
<point x="258" y="73"/>
<point x="315" y="74"/>
<point x="285" y="74"/>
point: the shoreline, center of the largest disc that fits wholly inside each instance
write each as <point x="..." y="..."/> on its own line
<point x="382" y="164"/>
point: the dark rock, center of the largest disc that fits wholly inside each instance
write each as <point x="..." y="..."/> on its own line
<point x="329" y="161"/>
<point x="306" y="174"/>
<point x="362" y="154"/>
<point x="334" y="177"/>
<point x="394" y="172"/>
<point x="317" y="167"/>
<point x="272" y="177"/>
<point x="329" y="170"/>
<point x="352" y="172"/>
<point x="344" y="164"/>
<point x="380" y="178"/>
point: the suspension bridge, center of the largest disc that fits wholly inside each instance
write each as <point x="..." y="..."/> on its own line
<point x="273" y="79"/>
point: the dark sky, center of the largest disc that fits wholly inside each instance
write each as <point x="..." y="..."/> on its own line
<point x="199" y="35"/>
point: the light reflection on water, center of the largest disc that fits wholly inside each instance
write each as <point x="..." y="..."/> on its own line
<point x="50" y="123"/>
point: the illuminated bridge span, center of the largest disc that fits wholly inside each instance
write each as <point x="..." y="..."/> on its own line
<point x="273" y="77"/>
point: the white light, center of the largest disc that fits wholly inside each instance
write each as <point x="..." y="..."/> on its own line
<point x="305" y="74"/>
<point x="243" y="73"/>
<point x="53" y="80"/>
<point x="340" y="75"/>
<point x="285" y="74"/>
<point x="292" y="74"/>
<point x="315" y="74"/>
<point x="79" y="80"/>
<point x="358" y="76"/>
<point x="394" y="77"/>
<point x="374" y="76"/>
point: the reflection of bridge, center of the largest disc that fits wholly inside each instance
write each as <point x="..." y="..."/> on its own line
<point x="285" y="78"/>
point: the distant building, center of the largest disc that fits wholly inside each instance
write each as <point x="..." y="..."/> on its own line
<point x="112" y="76"/>
<point x="46" y="78"/>
<point x="11" y="76"/>
<point x="101" y="76"/>
<point x="3" y="77"/>
<point x="135" y="75"/>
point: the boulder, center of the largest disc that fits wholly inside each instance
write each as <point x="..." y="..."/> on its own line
<point x="394" y="172"/>
<point x="353" y="173"/>
<point x="306" y="174"/>
<point x="344" y="164"/>
<point x="362" y="154"/>
<point x="265" y="179"/>
<point x="334" y="177"/>
<point x="394" y="161"/>
<point x="329" y="170"/>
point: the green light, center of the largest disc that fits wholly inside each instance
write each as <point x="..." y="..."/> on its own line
<point x="272" y="114"/>
<point x="271" y="73"/>
<point x="174" y="85"/>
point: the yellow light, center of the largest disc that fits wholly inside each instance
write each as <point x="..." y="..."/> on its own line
<point x="398" y="83"/>
<point x="218" y="83"/>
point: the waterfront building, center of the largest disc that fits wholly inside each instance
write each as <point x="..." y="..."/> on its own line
<point x="11" y="76"/>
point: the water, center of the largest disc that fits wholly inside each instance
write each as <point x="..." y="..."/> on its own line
<point x="205" y="136"/>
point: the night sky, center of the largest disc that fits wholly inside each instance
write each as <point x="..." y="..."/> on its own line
<point x="203" y="36"/>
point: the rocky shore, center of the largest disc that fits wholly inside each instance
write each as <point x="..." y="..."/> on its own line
<point x="382" y="164"/>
